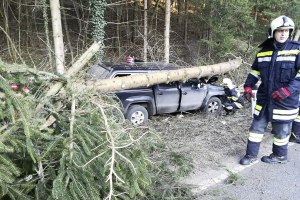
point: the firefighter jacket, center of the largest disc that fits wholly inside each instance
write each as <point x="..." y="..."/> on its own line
<point x="276" y="68"/>
<point x="233" y="98"/>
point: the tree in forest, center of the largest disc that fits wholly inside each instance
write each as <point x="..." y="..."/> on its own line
<point x="167" y="31"/>
<point x="57" y="36"/>
<point x="145" y="30"/>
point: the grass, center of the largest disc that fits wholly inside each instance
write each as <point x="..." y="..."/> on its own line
<point x="233" y="178"/>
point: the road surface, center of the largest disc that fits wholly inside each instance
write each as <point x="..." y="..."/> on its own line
<point x="260" y="181"/>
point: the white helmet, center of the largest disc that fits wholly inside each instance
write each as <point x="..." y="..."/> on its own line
<point x="282" y="22"/>
<point x="228" y="83"/>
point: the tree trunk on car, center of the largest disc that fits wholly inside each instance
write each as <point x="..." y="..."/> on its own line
<point x="165" y="76"/>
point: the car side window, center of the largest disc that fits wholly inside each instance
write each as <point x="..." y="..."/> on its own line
<point x="191" y="83"/>
<point x="164" y="86"/>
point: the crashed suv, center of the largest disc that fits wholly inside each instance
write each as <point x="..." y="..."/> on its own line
<point x="141" y="103"/>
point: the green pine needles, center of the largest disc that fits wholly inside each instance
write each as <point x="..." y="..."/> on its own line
<point x="87" y="153"/>
<point x="78" y="146"/>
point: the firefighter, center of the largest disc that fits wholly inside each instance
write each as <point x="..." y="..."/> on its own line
<point x="277" y="66"/>
<point x="233" y="100"/>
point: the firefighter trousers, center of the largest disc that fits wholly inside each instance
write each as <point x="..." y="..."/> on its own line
<point x="281" y="132"/>
<point x="296" y="126"/>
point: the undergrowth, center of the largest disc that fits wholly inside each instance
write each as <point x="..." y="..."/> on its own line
<point x="78" y="146"/>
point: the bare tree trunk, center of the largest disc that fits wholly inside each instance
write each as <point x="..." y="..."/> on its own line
<point x="167" y="31"/>
<point x="19" y="24"/>
<point x="9" y="40"/>
<point x="147" y="79"/>
<point x="149" y="4"/>
<point x="69" y="44"/>
<point x="145" y="29"/>
<point x="186" y="21"/>
<point x="136" y="24"/>
<point x="118" y="35"/>
<point x="297" y="35"/>
<point x="256" y="10"/>
<point x="46" y="27"/>
<point x="80" y="27"/>
<point x="154" y="15"/>
<point x="57" y="36"/>
<point x="128" y="30"/>
<point x="180" y="11"/>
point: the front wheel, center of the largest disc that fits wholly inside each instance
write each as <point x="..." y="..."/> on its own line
<point x="137" y="114"/>
<point x="213" y="106"/>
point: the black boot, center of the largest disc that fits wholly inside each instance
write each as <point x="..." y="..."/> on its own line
<point x="273" y="159"/>
<point x="248" y="159"/>
<point x="295" y="138"/>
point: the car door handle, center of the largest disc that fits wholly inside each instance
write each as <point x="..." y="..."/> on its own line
<point x="160" y="93"/>
<point x="184" y="93"/>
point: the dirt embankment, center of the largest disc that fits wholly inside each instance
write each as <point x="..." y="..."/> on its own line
<point x="207" y="139"/>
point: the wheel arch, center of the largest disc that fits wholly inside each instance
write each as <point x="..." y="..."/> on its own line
<point x="146" y="102"/>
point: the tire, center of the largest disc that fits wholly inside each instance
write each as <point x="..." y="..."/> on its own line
<point x="213" y="106"/>
<point x="137" y="114"/>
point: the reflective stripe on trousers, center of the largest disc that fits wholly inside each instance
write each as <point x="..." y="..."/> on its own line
<point x="296" y="126"/>
<point x="280" y="131"/>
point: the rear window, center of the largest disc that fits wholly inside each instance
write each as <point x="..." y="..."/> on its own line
<point x="97" y="72"/>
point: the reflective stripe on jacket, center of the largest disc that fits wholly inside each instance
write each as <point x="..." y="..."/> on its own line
<point x="234" y="98"/>
<point x="277" y="68"/>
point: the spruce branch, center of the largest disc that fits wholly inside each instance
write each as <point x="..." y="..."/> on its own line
<point x="113" y="155"/>
<point x="17" y="104"/>
<point x="72" y="120"/>
<point x="132" y="141"/>
<point x="126" y="159"/>
<point x="91" y="160"/>
<point x="40" y="170"/>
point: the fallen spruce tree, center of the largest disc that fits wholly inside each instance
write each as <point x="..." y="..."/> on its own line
<point x="88" y="151"/>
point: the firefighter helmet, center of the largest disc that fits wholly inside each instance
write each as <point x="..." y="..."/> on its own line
<point x="227" y="83"/>
<point x="282" y="22"/>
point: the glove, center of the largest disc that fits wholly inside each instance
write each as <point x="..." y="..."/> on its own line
<point x="281" y="94"/>
<point x="248" y="93"/>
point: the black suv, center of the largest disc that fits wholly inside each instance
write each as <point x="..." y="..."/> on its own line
<point x="140" y="103"/>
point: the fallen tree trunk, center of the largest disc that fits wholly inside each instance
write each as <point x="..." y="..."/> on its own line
<point x="165" y="76"/>
<point x="76" y="67"/>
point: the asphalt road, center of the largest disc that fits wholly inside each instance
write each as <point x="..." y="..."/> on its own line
<point x="261" y="181"/>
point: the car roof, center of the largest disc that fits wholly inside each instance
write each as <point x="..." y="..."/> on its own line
<point x="138" y="66"/>
<point x="109" y="69"/>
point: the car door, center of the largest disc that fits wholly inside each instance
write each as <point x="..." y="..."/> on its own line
<point x="167" y="97"/>
<point x="193" y="95"/>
